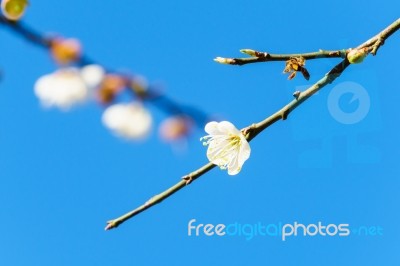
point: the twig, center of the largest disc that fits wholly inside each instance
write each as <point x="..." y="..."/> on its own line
<point x="258" y="57"/>
<point x="27" y="33"/>
<point x="378" y="40"/>
<point x="253" y="130"/>
<point x="160" y="197"/>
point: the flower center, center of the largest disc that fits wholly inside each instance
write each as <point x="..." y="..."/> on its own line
<point x="225" y="148"/>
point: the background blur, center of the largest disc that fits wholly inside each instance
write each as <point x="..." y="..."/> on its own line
<point x="63" y="175"/>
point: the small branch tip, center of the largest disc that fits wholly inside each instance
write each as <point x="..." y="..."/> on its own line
<point x="111" y="225"/>
<point x="222" y="60"/>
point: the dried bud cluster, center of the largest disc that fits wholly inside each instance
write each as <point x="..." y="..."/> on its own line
<point x="295" y="64"/>
<point x="65" y="51"/>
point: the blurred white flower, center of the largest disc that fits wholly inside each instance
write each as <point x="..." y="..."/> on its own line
<point x="227" y="146"/>
<point x="92" y="75"/>
<point x="62" y="88"/>
<point x="67" y="86"/>
<point x="131" y="121"/>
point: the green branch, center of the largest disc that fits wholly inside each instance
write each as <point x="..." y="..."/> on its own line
<point x="370" y="46"/>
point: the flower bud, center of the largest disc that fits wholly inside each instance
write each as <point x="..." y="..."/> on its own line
<point x="13" y="9"/>
<point x="65" y="51"/>
<point x="93" y="75"/>
<point x="174" y="128"/>
<point x="356" y="56"/>
<point x="223" y="60"/>
<point x="249" y="52"/>
<point x="110" y="86"/>
<point x="139" y="85"/>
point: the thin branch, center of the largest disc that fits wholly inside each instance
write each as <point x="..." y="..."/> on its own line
<point x="378" y="40"/>
<point x="258" y="57"/>
<point x="253" y="130"/>
<point x="27" y="33"/>
<point x="160" y="197"/>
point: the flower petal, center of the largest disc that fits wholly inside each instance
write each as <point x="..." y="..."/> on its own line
<point x="234" y="166"/>
<point x="244" y="151"/>
<point x="212" y="128"/>
<point x="227" y="127"/>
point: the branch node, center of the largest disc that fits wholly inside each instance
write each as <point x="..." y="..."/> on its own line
<point x="379" y="42"/>
<point x="248" y="131"/>
<point x="285" y="114"/>
<point x="296" y="94"/>
<point x="188" y="179"/>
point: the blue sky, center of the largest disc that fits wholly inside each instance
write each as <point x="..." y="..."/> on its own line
<point x="63" y="175"/>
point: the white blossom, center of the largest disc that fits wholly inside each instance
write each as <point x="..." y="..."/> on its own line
<point x="68" y="86"/>
<point x="63" y="88"/>
<point x="227" y="146"/>
<point x="131" y="121"/>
